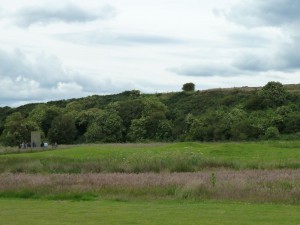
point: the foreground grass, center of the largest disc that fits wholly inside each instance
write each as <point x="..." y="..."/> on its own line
<point x="137" y="158"/>
<point x="36" y="212"/>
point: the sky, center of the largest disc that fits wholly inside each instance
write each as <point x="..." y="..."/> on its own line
<point x="61" y="49"/>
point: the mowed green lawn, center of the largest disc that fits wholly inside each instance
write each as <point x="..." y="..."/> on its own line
<point x="37" y="212"/>
<point x="173" y="157"/>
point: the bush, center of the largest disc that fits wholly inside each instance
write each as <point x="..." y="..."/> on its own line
<point x="272" y="133"/>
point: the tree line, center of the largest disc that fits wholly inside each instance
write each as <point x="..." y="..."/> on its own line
<point x="236" y="114"/>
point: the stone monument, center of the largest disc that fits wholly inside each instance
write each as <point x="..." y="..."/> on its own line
<point x="36" y="139"/>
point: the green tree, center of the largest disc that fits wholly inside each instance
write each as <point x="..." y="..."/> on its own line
<point x="84" y="118"/>
<point x="292" y="123"/>
<point x="4" y="112"/>
<point x="153" y="115"/>
<point x="107" y="127"/>
<point x="63" y="130"/>
<point x="188" y="87"/>
<point x="129" y="110"/>
<point x="153" y="105"/>
<point x="197" y="130"/>
<point x="43" y="115"/>
<point x="138" y="130"/>
<point x="236" y="119"/>
<point x="164" y="130"/>
<point x="17" y="129"/>
<point x="274" y="94"/>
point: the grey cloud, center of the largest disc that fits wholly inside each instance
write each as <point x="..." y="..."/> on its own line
<point x="253" y="63"/>
<point x="244" y="64"/>
<point x="117" y="38"/>
<point x="43" y="78"/>
<point x="278" y="56"/>
<point x="249" y="40"/>
<point x="254" y="13"/>
<point x="69" y="14"/>
<point x="283" y="14"/>
<point x="285" y="58"/>
<point x="290" y="54"/>
<point x="207" y="70"/>
<point x="36" y="79"/>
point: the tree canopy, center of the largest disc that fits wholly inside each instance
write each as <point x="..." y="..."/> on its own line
<point x="188" y="87"/>
<point x="270" y="112"/>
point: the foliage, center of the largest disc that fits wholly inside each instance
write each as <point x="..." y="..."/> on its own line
<point x="138" y="130"/>
<point x="188" y="87"/>
<point x="4" y="112"/>
<point x="236" y="114"/>
<point x="17" y="129"/>
<point x="84" y="119"/>
<point x="63" y="130"/>
<point x="106" y="127"/>
<point x="43" y="116"/>
<point x="164" y="130"/>
<point x="272" y="133"/>
<point x="273" y="94"/>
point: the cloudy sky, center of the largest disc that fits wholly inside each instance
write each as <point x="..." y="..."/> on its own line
<point x="60" y="49"/>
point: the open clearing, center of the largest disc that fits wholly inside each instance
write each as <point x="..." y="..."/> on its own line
<point x="37" y="212"/>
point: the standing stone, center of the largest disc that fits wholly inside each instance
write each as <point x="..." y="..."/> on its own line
<point x="35" y="139"/>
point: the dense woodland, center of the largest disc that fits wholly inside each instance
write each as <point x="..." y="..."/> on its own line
<point x="234" y="114"/>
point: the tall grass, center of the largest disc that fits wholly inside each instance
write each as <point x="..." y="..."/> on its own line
<point x="133" y="165"/>
<point x="278" y="186"/>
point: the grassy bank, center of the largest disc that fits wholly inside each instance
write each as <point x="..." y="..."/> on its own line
<point x="36" y="212"/>
<point x="276" y="186"/>
<point x="140" y="158"/>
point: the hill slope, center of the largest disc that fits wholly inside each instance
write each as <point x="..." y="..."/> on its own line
<point x="244" y="113"/>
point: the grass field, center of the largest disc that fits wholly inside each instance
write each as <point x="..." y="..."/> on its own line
<point x="36" y="212"/>
<point x="137" y="158"/>
<point x="156" y="183"/>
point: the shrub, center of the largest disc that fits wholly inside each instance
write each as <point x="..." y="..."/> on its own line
<point x="272" y="133"/>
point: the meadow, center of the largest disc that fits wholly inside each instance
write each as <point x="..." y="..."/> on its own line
<point x="256" y="186"/>
<point x="141" y="158"/>
<point x="169" y="183"/>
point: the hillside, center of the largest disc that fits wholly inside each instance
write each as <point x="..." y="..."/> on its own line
<point x="246" y="113"/>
